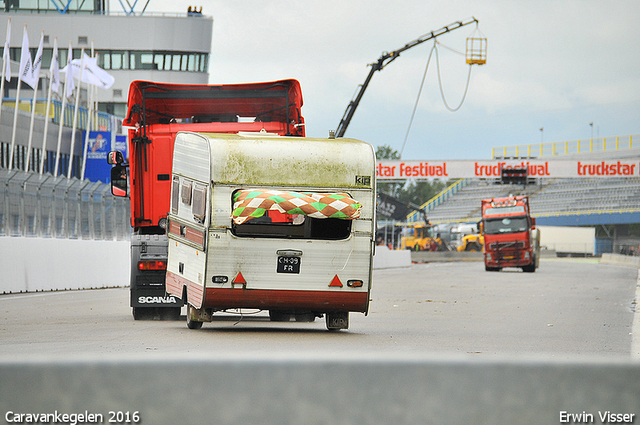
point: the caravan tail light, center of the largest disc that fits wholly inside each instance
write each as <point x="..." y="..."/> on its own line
<point x="152" y="265"/>
<point x="354" y="283"/>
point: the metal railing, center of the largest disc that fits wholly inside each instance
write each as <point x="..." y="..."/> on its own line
<point x="33" y="205"/>
<point x="100" y="121"/>
<point x="438" y="199"/>
<point x="601" y="144"/>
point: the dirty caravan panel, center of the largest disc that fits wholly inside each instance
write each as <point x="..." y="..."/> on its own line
<point x="281" y="258"/>
<point x="187" y="227"/>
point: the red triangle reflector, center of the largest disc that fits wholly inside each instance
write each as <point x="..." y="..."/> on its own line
<point x="239" y="279"/>
<point x="336" y="282"/>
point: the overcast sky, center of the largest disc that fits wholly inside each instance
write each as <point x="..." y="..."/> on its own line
<point x="553" y="64"/>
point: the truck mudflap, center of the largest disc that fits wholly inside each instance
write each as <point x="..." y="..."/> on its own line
<point x="147" y="286"/>
<point x="152" y="297"/>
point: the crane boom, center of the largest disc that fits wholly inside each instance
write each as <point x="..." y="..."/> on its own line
<point x="386" y="59"/>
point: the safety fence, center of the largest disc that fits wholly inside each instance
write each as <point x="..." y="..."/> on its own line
<point x="601" y="144"/>
<point x="34" y="205"/>
<point x="100" y="121"/>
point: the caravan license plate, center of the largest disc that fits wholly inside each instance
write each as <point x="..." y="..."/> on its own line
<point x="288" y="265"/>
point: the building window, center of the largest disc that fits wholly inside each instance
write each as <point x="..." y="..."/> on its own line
<point x="125" y="60"/>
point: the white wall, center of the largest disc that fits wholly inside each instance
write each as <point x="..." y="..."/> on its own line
<point x="48" y="264"/>
<point x="43" y="264"/>
<point x="569" y="239"/>
<point x="386" y="258"/>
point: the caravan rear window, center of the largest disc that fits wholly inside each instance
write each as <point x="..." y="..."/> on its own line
<point x="295" y="215"/>
<point x="278" y="225"/>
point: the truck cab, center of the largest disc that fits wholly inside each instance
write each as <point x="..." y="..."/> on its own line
<point x="510" y="235"/>
<point x="156" y="113"/>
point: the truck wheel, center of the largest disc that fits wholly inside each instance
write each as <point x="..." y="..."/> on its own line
<point x="170" y="313"/>
<point x="279" y="316"/>
<point x="142" y="313"/>
<point x="530" y="268"/>
<point x="192" y="324"/>
<point x="473" y="247"/>
<point x="305" y="317"/>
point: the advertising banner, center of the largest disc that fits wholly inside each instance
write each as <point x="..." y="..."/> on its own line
<point x="391" y="207"/>
<point x="97" y="168"/>
<point x="456" y="169"/>
<point x="120" y="144"/>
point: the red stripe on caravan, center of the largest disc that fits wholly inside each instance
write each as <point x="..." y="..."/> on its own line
<point x="195" y="294"/>
<point x="175" y="283"/>
<point x="267" y="299"/>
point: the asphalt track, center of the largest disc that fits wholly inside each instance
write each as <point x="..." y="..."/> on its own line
<point x="569" y="308"/>
<point x="443" y="343"/>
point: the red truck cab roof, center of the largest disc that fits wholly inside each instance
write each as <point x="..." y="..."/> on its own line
<point x="510" y="206"/>
<point x="156" y="112"/>
<point x="164" y="103"/>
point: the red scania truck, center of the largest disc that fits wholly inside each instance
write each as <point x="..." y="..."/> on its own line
<point x="156" y="113"/>
<point x="510" y="235"/>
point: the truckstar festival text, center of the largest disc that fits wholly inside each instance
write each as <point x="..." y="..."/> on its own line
<point x="395" y="169"/>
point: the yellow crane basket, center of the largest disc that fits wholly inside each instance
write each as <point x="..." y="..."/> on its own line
<point x="476" y="51"/>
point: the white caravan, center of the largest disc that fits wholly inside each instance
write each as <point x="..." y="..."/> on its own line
<point x="284" y="224"/>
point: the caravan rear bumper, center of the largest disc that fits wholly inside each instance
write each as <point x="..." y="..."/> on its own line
<point x="275" y="299"/>
<point x="342" y="299"/>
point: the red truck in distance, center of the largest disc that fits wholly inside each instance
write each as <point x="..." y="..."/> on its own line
<point x="510" y="235"/>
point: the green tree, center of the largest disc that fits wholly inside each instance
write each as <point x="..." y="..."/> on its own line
<point x="386" y="152"/>
<point x="416" y="192"/>
<point x="391" y="188"/>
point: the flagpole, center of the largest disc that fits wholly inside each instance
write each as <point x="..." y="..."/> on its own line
<point x="63" y="112"/>
<point x="89" y="112"/>
<point x="15" y="113"/>
<point x="54" y="62"/>
<point x="75" y="112"/>
<point x="5" y="56"/>
<point x="35" y="78"/>
<point x="33" y="116"/>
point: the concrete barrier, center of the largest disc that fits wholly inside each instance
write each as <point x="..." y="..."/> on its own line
<point x="385" y="258"/>
<point x="445" y="256"/>
<point x="336" y="389"/>
<point x="621" y="260"/>
<point x="49" y="264"/>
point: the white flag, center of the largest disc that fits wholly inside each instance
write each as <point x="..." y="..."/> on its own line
<point x="54" y="69"/>
<point x="35" y="67"/>
<point x="25" y="59"/>
<point x="5" y="54"/>
<point x="92" y="73"/>
<point x="69" y="84"/>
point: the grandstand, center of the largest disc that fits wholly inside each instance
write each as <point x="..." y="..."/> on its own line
<point x="612" y="205"/>
<point x="553" y="198"/>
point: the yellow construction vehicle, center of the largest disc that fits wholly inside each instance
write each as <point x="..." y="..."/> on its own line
<point x="422" y="237"/>
<point x="473" y="241"/>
